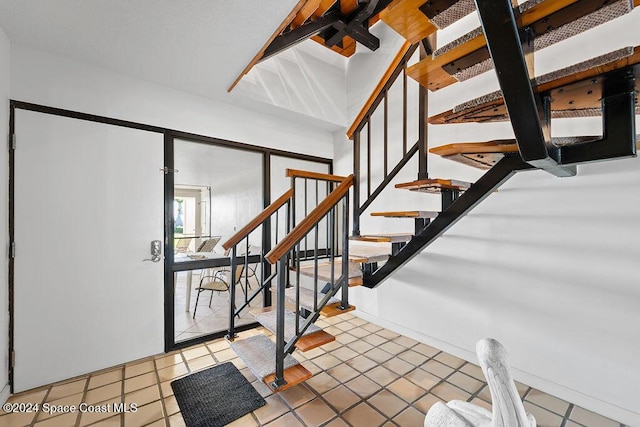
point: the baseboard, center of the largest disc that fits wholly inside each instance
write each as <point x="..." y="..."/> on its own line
<point x="588" y="402"/>
<point x="5" y="393"/>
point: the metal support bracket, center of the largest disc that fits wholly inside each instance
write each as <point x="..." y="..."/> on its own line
<point x="448" y="197"/>
<point x="397" y="247"/>
<point x="420" y="224"/>
<point x="485" y="186"/>
<point x="512" y="52"/>
<point x="618" y="123"/>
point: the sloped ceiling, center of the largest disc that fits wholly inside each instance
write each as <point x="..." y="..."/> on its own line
<point x="198" y="46"/>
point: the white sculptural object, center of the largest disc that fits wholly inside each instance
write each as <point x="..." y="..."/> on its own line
<point x="508" y="410"/>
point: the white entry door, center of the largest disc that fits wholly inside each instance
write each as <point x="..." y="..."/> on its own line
<point x="88" y="203"/>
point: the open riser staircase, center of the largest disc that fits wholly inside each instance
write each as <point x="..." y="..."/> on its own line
<point x="309" y="281"/>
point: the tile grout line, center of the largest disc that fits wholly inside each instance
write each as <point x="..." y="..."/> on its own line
<point x="567" y="413"/>
<point x="83" y="399"/>
<point x="35" y="419"/>
<point x="159" y="383"/>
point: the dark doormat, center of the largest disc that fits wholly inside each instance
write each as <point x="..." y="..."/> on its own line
<point x="215" y="397"/>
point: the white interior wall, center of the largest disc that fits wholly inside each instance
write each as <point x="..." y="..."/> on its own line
<point x="235" y="178"/>
<point x="545" y="265"/>
<point x="366" y="68"/>
<point x="4" y="221"/>
<point x="42" y="78"/>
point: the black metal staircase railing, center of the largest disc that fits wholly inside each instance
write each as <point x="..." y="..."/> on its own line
<point x="530" y="115"/>
<point x="286" y="256"/>
<point x="361" y="134"/>
<point x="239" y="244"/>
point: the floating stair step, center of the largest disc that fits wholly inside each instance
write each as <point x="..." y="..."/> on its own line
<point x="324" y="270"/>
<point x="484" y="155"/>
<point x="551" y="21"/>
<point x="268" y="320"/>
<point x="293" y="376"/>
<point x="331" y="310"/>
<point x="416" y="19"/>
<point x="434" y="185"/>
<point x="368" y="254"/>
<point x="258" y="352"/>
<point x="406" y="214"/>
<point x="384" y="238"/>
<point x="575" y="91"/>
<point x="314" y="340"/>
<point x="306" y="297"/>
<point x="306" y="302"/>
<point x="313" y="337"/>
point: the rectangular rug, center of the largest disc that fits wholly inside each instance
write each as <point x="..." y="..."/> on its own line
<point x="215" y="397"/>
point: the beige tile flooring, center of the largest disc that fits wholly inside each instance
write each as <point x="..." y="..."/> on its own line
<point x="208" y="320"/>
<point x="368" y="377"/>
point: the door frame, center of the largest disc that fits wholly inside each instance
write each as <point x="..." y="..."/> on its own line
<point x="169" y="137"/>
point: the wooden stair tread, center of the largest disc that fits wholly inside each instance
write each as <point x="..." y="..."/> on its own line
<point x="484" y="155"/>
<point x="313" y="337"/>
<point x="258" y="352"/>
<point x="406" y="18"/>
<point x="386" y="238"/>
<point x="434" y="185"/>
<point x="468" y="56"/>
<point x="481" y="155"/>
<point x="324" y="270"/>
<point x="306" y="297"/>
<point x="366" y="254"/>
<point x="293" y="376"/>
<point x="314" y="340"/>
<point x="407" y="214"/>
<point x="573" y="95"/>
<point x="331" y="310"/>
<point x="268" y="320"/>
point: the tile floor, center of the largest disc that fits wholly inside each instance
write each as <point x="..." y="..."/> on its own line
<point x="208" y="320"/>
<point x="368" y="377"/>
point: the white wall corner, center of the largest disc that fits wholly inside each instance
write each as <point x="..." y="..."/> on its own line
<point x="5" y="49"/>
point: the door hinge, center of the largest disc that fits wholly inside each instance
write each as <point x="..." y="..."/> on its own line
<point x="12" y="250"/>
<point x="166" y="170"/>
<point x="12" y="141"/>
<point x="13" y="358"/>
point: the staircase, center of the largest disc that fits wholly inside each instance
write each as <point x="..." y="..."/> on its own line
<point x="315" y="282"/>
<point x="604" y="85"/>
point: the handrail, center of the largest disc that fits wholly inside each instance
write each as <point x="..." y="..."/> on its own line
<point x="398" y="63"/>
<point x="309" y="221"/>
<point x="259" y="219"/>
<point x="295" y="173"/>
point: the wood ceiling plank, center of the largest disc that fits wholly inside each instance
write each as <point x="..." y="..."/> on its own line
<point x="348" y="45"/>
<point x="310" y="7"/>
<point x="348" y="6"/>
<point x="325" y="5"/>
<point x="407" y="20"/>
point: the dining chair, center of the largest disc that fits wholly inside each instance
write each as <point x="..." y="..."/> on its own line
<point x="219" y="281"/>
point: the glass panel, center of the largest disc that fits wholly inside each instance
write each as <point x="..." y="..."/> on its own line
<point x="191" y="215"/>
<point x="217" y="191"/>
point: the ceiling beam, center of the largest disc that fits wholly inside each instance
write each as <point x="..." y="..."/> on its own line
<point x="297" y="35"/>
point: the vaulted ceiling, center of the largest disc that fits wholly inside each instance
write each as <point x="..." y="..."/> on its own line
<point x="197" y="46"/>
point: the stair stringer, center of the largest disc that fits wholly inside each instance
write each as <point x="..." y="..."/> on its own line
<point x="487" y="184"/>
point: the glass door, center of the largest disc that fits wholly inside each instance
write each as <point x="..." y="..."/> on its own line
<point x="217" y="190"/>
